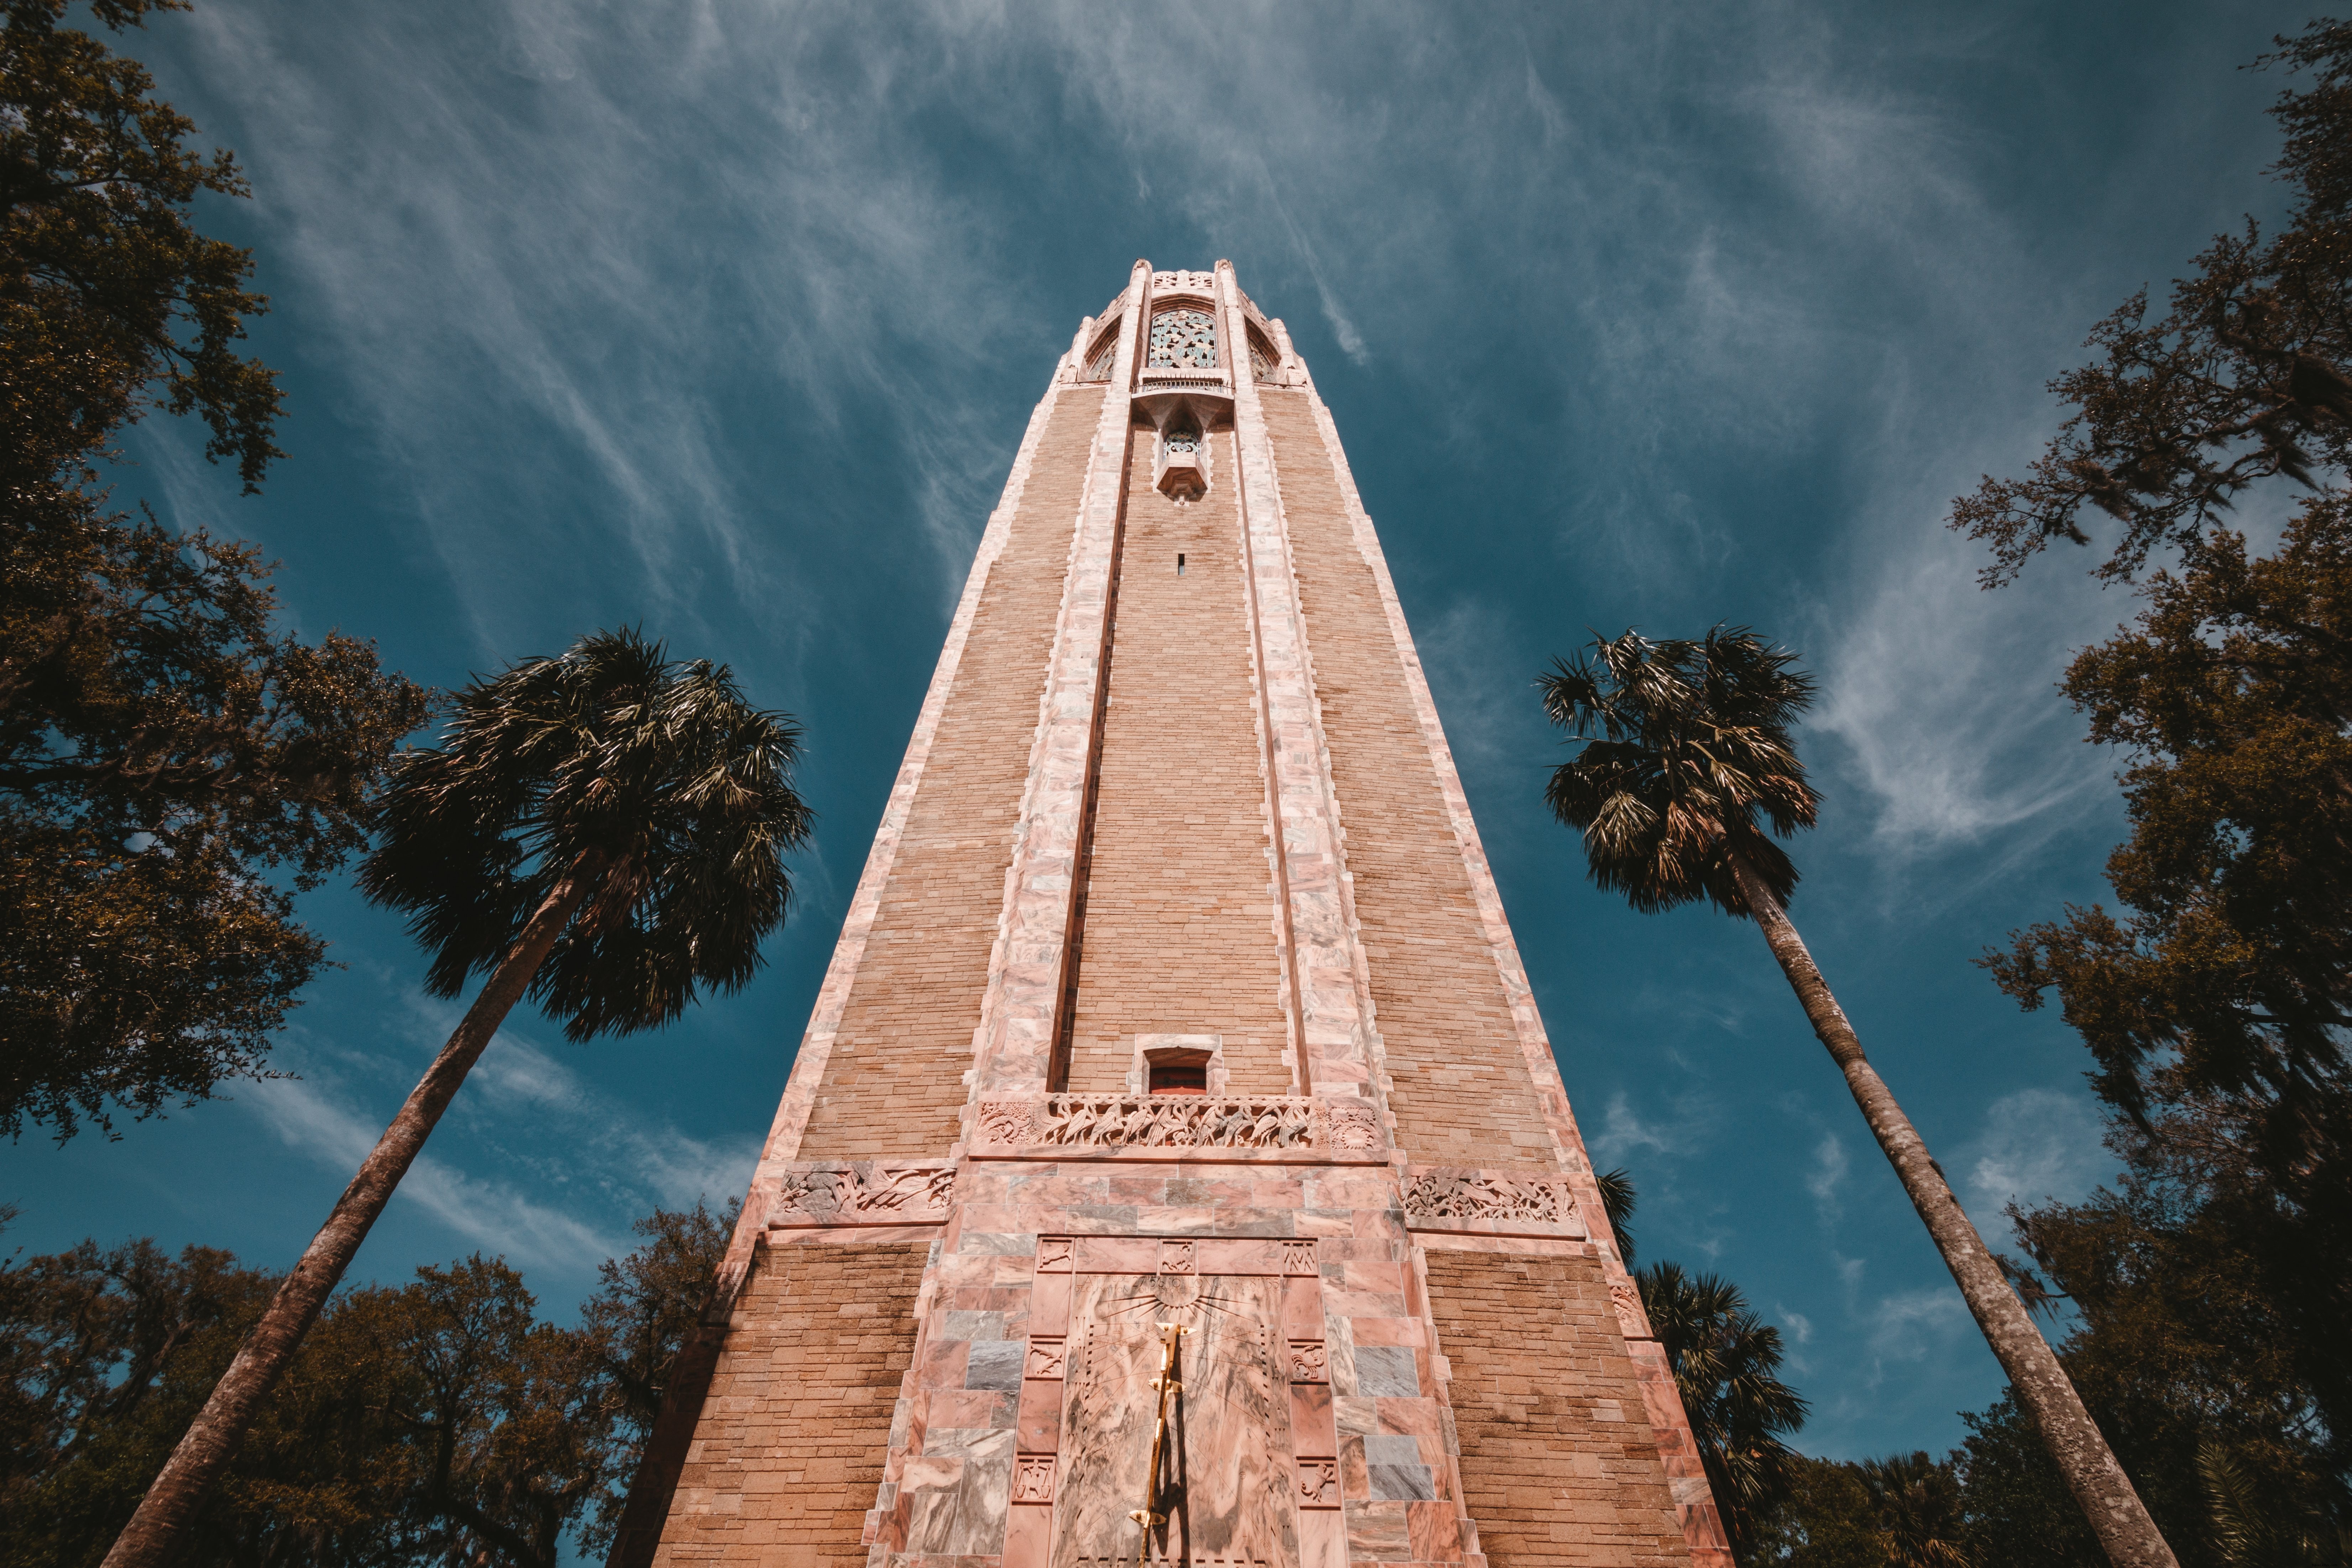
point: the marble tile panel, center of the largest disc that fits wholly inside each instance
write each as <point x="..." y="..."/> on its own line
<point x="1117" y="1254"/>
<point x="996" y="1365"/>
<point x="1001" y="1235"/>
<point x="1355" y="1475"/>
<point x="1413" y="1418"/>
<point x="1338" y="1303"/>
<point x="942" y="1365"/>
<point x="1383" y="1331"/>
<point x="1311" y="1428"/>
<point x="1176" y="1221"/>
<point x="1302" y="1307"/>
<point x="1028" y="1537"/>
<point x="1098" y="1219"/>
<point x="1049" y="1304"/>
<point x="968" y="1442"/>
<point x="1382" y="1372"/>
<point x="1040" y="1425"/>
<point x="1323" y="1221"/>
<point x="962" y="1323"/>
<point x="1356" y="1418"/>
<point x="1396" y="1480"/>
<point x="968" y="1409"/>
<point x="1379" y="1224"/>
<point x="1322" y="1538"/>
<point x="1240" y="1255"/>
<point x="1144" y="1184"/>
<point x="1255" y="1222"/>
<point x="1377" y="1531"/>
<point x="1434" y="1530"/>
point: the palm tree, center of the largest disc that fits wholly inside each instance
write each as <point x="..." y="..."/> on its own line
<point x="1726" y="1362"/>
<point x="605" y="830"/>
<point x="1685" y="745"/>
<point x="1917" y="1503"/>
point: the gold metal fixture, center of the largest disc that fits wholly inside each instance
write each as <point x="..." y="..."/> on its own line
<point x="1147" y="1516"/>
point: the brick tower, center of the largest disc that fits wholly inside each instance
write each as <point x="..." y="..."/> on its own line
<point x="1175" y="1169"/>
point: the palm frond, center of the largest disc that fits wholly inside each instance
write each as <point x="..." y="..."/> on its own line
<point x="659" y="771"/>
<point x="1684" y="747"/>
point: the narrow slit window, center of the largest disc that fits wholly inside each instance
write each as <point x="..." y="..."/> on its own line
<point x="1180" y="563"/>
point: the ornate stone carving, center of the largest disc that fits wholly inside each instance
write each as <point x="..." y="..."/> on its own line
<point x="1176" y="1258"/>
<point x="1482" y="1194"/>
<point x="1310" y="1362"/>
<point x="864" y="1192"/>
<point x="1055" y="1254"/>
<point x="1046" y="1357"/>
<point x="1033" y="1478"/>
<point x="1183" y="338"/>
<point x="1149" y="1121"/>
<point x="1318" y="1483"/>
<point x="1352" y="1129"/>
<point x="1298" y="1257"/>
<point x="1630" y="1320"/>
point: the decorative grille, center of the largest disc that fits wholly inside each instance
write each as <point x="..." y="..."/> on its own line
<point x="1183" y="441"/>
<point x="1183" y="338"/>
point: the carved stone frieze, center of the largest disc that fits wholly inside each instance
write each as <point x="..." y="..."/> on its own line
<point x="864" y="1192"/>
<point x="1103" y="1121"/>
<point x="1318" y="1483"/>
<point x="1033" y="1478"/>
<point x="1310" y="1362"/>
<point x="1046" y="1359"/>
<point x="1465" y="1200"/>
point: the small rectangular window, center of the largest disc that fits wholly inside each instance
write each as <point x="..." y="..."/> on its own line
<point x="1188" y="1074"/>
<point x="1180" y="563"/>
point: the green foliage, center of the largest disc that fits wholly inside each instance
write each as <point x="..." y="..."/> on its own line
<point x="2243" y="380"/>
<point x="1684" y="744"/>
<point x="2214" y="1004"/>
<point x="1725" y="1363"/>
<point x="162" y="752"/>
<point x="1826" y="1521"/>
<point x="110" y="302"/>
<point x="656" y="776"/>
<point x="438" y="1422"/>
<point x="1617" y="1200"/>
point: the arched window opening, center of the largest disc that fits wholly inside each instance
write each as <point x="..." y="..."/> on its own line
<point x="1264" y="358"/>
<point x="1100" y="358"/>
<point x="1183" y="338"/>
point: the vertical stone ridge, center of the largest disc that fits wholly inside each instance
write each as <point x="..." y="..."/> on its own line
<point x="652" y="1488"/>
<point x="1702" y="1526"/>
<point x="1015" y="1040"/>
<point x="1325" y="959"/>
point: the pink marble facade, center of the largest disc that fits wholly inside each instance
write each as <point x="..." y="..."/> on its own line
<point x="1286" y="1236"/>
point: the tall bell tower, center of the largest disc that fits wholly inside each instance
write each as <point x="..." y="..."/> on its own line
<point x="1175" y="1169"/>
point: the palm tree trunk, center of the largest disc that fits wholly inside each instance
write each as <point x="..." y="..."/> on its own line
<point x="2126" y="1533"/>
<point x="171" y="1503"/>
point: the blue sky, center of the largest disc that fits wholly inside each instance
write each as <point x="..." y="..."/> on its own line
<point x="725" y="319"/>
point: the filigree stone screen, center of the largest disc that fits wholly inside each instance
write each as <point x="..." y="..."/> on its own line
<point x="1183" y="339"/>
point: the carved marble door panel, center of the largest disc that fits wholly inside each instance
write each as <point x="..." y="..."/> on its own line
<point x="1227" y="1473"/>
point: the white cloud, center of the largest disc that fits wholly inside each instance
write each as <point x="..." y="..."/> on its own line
<point x="2035" y="1144"/>
<point x="530" y="1160"/>
<point x="1827" y="1182"/>
<point x="496" y="1215"/>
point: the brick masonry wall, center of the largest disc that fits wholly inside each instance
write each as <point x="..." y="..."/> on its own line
<point x="1559" y="1462"/>
<point x="797" y="1422"/>
<point x="1461" y="1094"/>
<point x="1179" y="935"/>
<point x="895" y="1083"/>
